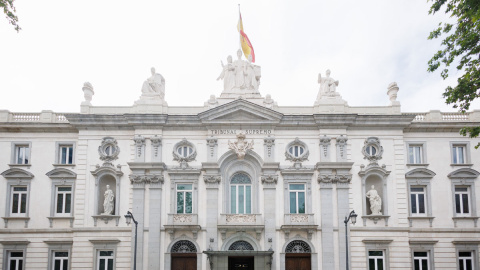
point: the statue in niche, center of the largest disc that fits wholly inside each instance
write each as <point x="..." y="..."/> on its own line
<point x="328" y="85"/>
<point x="108" y="203"/>
<point x="240" y="146"/>
<point x="375" y="201"/>
<point x="228" y="74"/>
<point x="154" y="85"/>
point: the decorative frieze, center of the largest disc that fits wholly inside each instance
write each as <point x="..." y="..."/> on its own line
<point x="334" y="178"/>
<point x="212" y="179"/>
<point x="269" y="179"/>
<point x="298" y="218"/>
<point x="182" y="218"/>
<point x="146" y="178"/>
<point x="241" y="218"/>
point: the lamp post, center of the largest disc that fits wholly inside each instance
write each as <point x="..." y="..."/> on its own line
<point x="128" y="218"/>
<point x="353" y="216"/>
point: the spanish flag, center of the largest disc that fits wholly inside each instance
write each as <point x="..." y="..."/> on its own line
<point x="247" y="47"/>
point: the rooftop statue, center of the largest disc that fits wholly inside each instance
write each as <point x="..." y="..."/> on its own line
<point x="240" y="76"/>
<point x="328" y="85"/>
<point x="153" y="90"/>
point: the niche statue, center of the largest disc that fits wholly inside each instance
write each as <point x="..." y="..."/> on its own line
<point x="109" y="202"/>
<point x="375" y="201"/>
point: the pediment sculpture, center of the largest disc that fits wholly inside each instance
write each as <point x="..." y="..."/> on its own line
<point x="240" y="146"/>
<point x="240" y="76"/>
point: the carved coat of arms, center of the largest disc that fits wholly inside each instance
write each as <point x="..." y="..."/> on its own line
<point x="240" y="146"/>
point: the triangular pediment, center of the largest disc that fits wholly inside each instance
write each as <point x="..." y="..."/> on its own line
<point x="420" y="173"/>
<point x="61" y="173"/>
<point x="17" y="173"/>
<point x="241" y="112"/>
<point x="464" y="173"/>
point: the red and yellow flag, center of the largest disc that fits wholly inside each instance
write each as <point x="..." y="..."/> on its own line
<point x="247" y="47"/>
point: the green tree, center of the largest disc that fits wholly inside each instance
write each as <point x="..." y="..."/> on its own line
<point x="460" y="48"/>
<point x="9" y="10"/>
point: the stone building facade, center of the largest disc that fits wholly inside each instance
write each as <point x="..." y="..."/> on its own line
<point x="239" y="183"/>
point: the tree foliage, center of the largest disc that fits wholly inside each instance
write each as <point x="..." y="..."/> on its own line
<point x="460" y="48"/>
<point x="9" y="10"/>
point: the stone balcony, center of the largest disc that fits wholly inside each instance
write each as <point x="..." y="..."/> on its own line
<point x="302" y="222"/>
<point x="182" y="222"/>
<point x="241" y="223"/>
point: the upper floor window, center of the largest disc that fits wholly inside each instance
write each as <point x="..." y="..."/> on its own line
<point x="297" y="198"/>
<point x="184" y="151"/>
<point x="19" y="200"/>
<point x="458" y="154"/>
<point x="417" y="200"/>
<point x="415" y="154"/>
<point x="241" y="194"/>
<point x="22" y="154"/>
<point x="184" y="198"/>
<point x="63" y="200"/>
<point x="296" y="150"/>
<point x="462" y="200"/>
<point x="65" y="154"/>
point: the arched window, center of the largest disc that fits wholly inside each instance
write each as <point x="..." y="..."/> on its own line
<point x="241" y="194"/>
<point x="241" y="245"/>
<point x="298" y="246"/>
<point x="184" y="246"/>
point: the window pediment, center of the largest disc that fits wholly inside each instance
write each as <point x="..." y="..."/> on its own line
<point x="420" y="173"/>
<point x="464" y="173"/>
<point x="61" y="173"/>
<point x="17" y="173"/>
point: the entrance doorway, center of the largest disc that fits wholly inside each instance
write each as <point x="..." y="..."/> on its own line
<point x="184" y="261"/>
<point x="240" y="263"/>
<point x="298" y="261"/>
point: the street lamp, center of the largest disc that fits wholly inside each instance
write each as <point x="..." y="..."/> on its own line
<point x="353" y="216"/>
<point x="128" y="218"/>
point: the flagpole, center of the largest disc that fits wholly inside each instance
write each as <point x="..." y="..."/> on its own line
<point x="240" y="36"/>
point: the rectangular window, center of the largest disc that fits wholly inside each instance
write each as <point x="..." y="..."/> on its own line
<point x="417" y="200"/>
<point x="465" y="260"/>
<point x="376" y="260"/>
<point x="15" y="260"/>
<point x="241" y="199"/>
<point x="420" y="260"/>
<point x="184" y="198"/>
<point x="60" y="260"/>
<point x="415" y="154"/>
<point x="105" y="260"/>
<point x="65" y="154"/>
<point x="63" y="201"/>
<point x="458" y="154"/>
<point x="297" y="198"/>
<point x="19" y="201"/>
<point x="462" y="200"/>
<point x="22" y="154"/>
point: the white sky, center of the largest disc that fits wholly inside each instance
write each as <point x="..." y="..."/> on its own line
<point x="113" y="44"/>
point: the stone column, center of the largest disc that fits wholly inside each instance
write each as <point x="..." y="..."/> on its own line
<point x="138" y="211"/>
<point x="212" y="182"/>
<point x="326" y="206"/>
<point x="269" y="182"/>
<point x="154" y="222"/>
<point x="343" y="185"/>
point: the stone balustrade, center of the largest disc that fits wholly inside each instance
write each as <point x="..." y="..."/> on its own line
<point x="42" y="117"/>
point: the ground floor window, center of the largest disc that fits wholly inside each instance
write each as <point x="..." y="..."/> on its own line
<point x="465" y="260"/>
<point x="60" y="260"/>
<point x="15" y="260"/>
<point x="105" y="260"/>
<point x="376" y="260"/>
<point x="420" y="260"/>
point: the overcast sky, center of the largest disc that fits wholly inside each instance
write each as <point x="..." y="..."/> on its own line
<point x="113" y="44"/>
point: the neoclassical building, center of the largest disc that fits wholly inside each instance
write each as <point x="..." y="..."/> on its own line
<point x="239" y="183"/>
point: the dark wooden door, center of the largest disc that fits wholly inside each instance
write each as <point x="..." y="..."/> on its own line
<point x="298" y="261"/>
<point x="184" y="261"/>
<point x="240" y="263"/>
